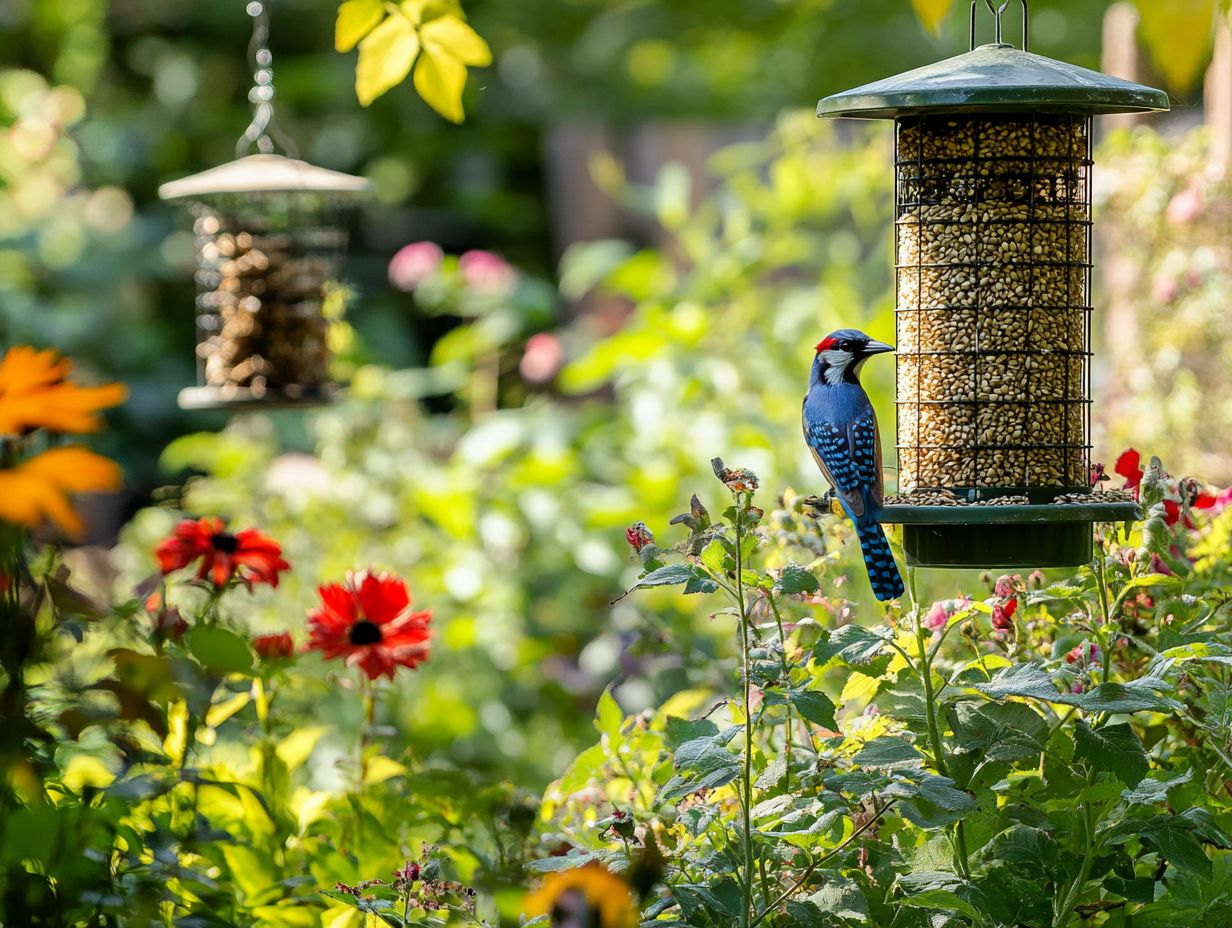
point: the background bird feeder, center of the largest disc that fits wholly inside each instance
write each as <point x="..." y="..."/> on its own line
<point x="271" y="237"/>
<point x="993" y="300"/>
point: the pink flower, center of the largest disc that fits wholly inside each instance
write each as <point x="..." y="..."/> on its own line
<point x="1186" y="206"/>
<point x="541" y="359"/>
<point x="639" y="536"/>
<point x="488" y="272"/>
<point x="414" y="263"/>
<point x="1006" y="584"/>
<point x="1164" y="288"/>
<point x="937" y="616"/>
<point x="943" y="610"/>
<point x="1085" y="653"/>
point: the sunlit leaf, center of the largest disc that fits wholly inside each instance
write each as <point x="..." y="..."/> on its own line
<point x="1178" y="35"/>
<point x="932" y="13"/>
<point x="451" y="35"/>
<point x="356" y="18"/>
<point x="440" y="79"/>
<point x="385" y="57"/>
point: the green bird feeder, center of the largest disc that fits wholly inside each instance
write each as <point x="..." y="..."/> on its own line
<point x="993" y="300"/>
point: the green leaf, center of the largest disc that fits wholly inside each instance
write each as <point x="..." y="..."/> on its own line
<point x="220" y="650"/>
<point x="852" y="644"/>
<point x="932" y="13"/>
<point x="1135" y="696"/>
<point x="677" y="731"/>
<point x="1178" y="35"/>
<point x="356" y="18"/>
<point x="671" y="575"/>
<point x="707" y="758"/>
<point x="566" y="862"/>
<point x="609" y="717"/>
<point x="1027" y="680"/>
<point x="796" y="579"/>
<point x="998" y="731"/>
<point x="839" y="898"/>
<point x="888" y="752"/>
<point x="440" y="79"/>
<point x="814" y="706"/>
<point x="714" y="557"/>
<point x="1151" y="791"/>
<point x="385" y="57"/>
<point x="1114" y="749"/>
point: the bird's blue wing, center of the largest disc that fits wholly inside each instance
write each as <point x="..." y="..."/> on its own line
<point x="849" y="458"/>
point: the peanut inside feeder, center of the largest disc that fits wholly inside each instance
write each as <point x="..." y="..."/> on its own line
<point x="992" y="272"/>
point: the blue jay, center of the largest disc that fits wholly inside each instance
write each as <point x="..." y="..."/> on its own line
<point x="840" y="429"/>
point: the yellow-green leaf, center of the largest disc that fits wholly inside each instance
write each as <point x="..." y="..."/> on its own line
<point x="385" y="58"/>
<point x="1178" y="35"/>
<point x="356" y="18"/>
<point x="439" y="78"/>
<point x="381" y="768"/>
<point x="932" y="13"/>
<point x="451" y="35"/>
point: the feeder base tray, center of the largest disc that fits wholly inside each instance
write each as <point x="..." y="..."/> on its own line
<point x="1027" y="536"/>
<point x="244" y="398"/>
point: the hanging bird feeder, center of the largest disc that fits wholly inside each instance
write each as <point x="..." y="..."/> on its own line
<point x="993" y="300"/>
<point x="271" y="237"/>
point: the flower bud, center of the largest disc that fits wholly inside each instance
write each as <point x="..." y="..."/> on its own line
<point x="274" y="647"/>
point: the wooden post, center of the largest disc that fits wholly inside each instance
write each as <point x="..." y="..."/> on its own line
<point x="1120" y="56"/>
<point x="1218" y="98"/>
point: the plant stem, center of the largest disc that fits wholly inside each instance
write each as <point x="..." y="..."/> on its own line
<point x="365" y="733"/>
<point x="1075" y="891"/>
<point x="746" y="913"/>
<point x="925" y="669"/>
<point x="787" y="893"/>
<point x="778" y="620"/>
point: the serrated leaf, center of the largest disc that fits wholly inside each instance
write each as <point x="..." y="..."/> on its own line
<point x="671" y="575"/>
<point x="839" y="898"/>
<point x="386" y="55"/>
<point x="852" y="644"/>
<point x="356" y="18"/>
<point x="1114" y="749"/>
<point x="1151" y="791"/>
<point x="888" y="752"/>
<point x="565" y="862"/>
<point x="704" y="757"/>
<point x="609" y="717"/>
<point x="796" y="579"/>
<point x="814" y="706"/>
<point x="677" y="731"/>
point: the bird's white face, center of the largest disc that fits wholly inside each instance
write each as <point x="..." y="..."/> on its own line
<point x="836" y="361"/>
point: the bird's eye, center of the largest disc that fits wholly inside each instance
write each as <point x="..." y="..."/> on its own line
<point x="845" y="344"/>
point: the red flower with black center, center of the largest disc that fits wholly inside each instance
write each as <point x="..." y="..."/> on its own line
<point x="274" y="647"/>
<point x="368" y="622"/>
<point x="253" y="557"/>
<point x="1129" y="466"/>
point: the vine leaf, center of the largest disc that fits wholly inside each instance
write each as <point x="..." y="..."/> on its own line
<point x="1113" y="749"/>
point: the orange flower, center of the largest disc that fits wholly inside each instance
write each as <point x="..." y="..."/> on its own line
<point x="35" y="393"/>
<point x="589" y="895"/>
<point x="36" y="490"/>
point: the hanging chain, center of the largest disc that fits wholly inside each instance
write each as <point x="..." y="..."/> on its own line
<point x="997" y="9"/>
<point x="264" y="129"/>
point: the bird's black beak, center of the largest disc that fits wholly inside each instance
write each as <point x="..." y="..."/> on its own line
<point x="876" y="347"/>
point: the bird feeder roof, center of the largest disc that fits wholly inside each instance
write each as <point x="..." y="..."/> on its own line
<point x="264" y="174"/>
<point x="995" y="78"/>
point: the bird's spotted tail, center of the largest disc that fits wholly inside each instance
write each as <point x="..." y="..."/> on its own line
<point x="883" y="573"/>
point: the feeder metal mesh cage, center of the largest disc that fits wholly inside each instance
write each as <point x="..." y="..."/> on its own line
<point x="266" y="266"/>
<point x="993" y="303"/>
<point x="993" y="308"/>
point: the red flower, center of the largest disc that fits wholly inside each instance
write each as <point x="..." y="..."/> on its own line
<point x="252" y="556"/>
<point x="367" y="621"/>
<point x="1003" y="615"/>
<point x="1129" y="466"/>
<point x="274" y="647"/>
<point x="639" y="536"/>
